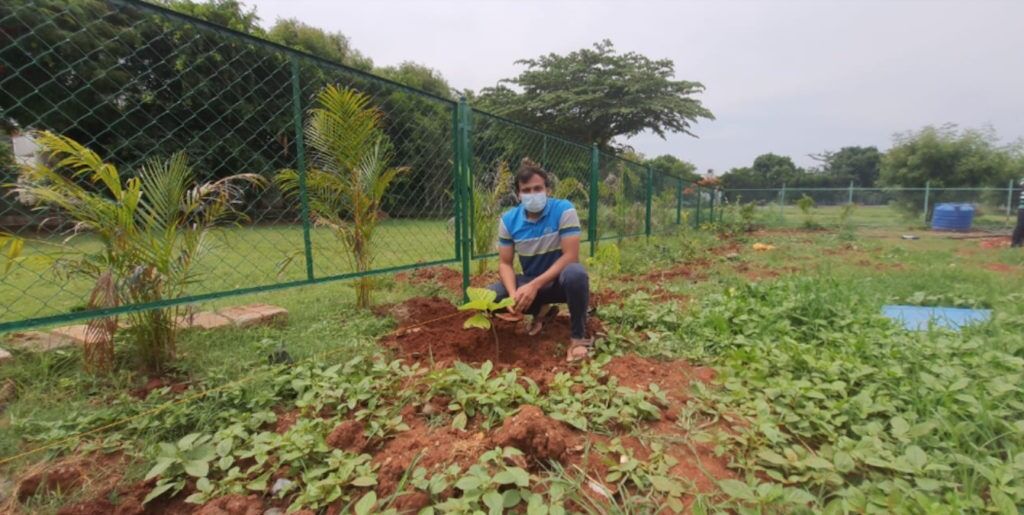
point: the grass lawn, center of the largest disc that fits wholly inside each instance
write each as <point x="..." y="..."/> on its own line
<point x="240" y="257"/>
<point x="816" y="402"/>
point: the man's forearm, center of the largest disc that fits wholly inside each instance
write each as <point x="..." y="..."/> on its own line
<point x="507" y="274"/>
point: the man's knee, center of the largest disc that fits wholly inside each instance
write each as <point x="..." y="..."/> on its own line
<point x="574" y="275"/>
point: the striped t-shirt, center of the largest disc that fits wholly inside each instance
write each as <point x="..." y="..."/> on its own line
<point x="538" y="242"/>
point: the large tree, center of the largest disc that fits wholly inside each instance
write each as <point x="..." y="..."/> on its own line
<point x="861" y="165"/>
<point x="951" y="157"/>
<point x="774" y="169"/>
<point x="333" y="46"/>
<point x="597" y="94"/>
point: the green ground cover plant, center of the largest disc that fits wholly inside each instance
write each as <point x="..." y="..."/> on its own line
<point x="831" y="407"/>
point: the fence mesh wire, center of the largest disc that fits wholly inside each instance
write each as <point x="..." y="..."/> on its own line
<point x="133" y="81"/>
<point x="873" y="208"/>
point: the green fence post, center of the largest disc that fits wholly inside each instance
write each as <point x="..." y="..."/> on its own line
<point x="782" y="204"/>
<point x="711" y="207"/>
<point x="1009" y="201"/>
<point x="595" y="178"/>
<point x="300" y="157"/>
<point x="679" y="201"/>
<point x="456" y="184"/>
<point x="650" y="201"/>
<point x="465" y="193"/>
<point x="544" y="152"/>
<point x="696" y="219"/>
<point x="850" y="199"/>
<point x="927" y="192"/>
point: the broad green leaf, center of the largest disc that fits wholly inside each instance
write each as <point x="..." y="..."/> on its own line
<point x="467" y="483"/>
<point x="459" y="422"/>
<point x="478" y="321"/>
<point x="158" y="491"/>
<point x="197" y="468"/>
<point x="364" y="481"/>
<point x="161" y="465"/>
<point x="366" y="503"/>
<point x="773" y="457"/>
<point x="843" y="462"/>
<point x="494" y="501"/>
<point x="737" y="489"/>
<point x="511" y="498"/>
<point x="916" y="457"/>
<point x="507" y="302"/>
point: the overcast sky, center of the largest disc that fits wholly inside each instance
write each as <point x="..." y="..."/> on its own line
<point x="790" y="77"/>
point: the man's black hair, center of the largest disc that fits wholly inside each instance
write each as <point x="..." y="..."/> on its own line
<point x="527" y="169"/>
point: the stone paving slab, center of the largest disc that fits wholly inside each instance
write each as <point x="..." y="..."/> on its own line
<point x="203" y="320"/>
<point x="238" y="316"/>
<point x="37" y="341"/>
<point x="255" y="314"/>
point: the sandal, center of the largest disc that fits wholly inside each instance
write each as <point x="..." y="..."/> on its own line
<point x="547" y="313"/>
<point x="573" y="354"/>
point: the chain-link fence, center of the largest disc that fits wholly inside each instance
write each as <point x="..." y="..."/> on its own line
<point x="878" y="208"/>
<point x="135" y="82"/>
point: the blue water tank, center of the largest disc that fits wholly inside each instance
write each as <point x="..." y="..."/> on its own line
<point x="953" y="217"/>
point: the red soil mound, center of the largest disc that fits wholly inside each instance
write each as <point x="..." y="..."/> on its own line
<point x="129" y="502"/>
<point x="1002" y="268"/>
<point x="348" y="436"/>
<point x="995" y="243"/>
<point x="431" y="329"/>
<point x="61" y="479"/>
<point x="439" y="275"/>
<point x="542" y="439"/>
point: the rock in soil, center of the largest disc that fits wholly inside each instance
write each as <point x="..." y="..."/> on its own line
<point x="541" y="438"/>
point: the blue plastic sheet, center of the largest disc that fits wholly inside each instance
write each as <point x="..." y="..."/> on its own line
<point x="918" y="318"/>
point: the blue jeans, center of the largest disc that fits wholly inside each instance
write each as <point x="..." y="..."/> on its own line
<point x="572" y="287"/>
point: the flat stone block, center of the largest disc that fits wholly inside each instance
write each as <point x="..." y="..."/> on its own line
<point x="203" y="320"/>
<point x="77" y="333"/>
<point x="255" y="314"/>
<point x="38" y="341"/>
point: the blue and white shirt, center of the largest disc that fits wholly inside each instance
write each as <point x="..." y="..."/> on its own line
<point x="538" y="242"/>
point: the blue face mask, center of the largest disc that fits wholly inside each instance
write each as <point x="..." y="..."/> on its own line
<point x="534" y="202"/>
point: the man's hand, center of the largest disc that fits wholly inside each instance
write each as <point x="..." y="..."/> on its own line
<point x="524" y="296"/>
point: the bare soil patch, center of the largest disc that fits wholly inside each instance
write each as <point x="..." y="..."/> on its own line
<point x="430" y="331"/>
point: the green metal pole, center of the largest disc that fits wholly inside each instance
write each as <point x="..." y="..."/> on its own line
<point x="1009" y="201"/>
<point x="927" y="192"/>
<point x="300" y="157"/>
<point x="465" y="192"/>
<point x="711" y="207"/>
<point x="595" y="178"/>
<point x="679" y="201"/>
<point x="696" y="219"/>
<point x="456" y="182"/>
<point x="650" y="199"/>
<point x="782" y="204"/>
<point x="849" y="200"/>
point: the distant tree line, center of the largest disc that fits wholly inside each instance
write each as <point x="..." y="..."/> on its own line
<point x="944" y="157"/>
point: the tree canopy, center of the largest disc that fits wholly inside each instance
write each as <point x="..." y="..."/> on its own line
<point x="861" y="165"/>
<point x="948" y="157"/>
<point x="597" y="94"/>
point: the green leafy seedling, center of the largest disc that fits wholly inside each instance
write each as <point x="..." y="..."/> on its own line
<point x="482" y="301"/>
